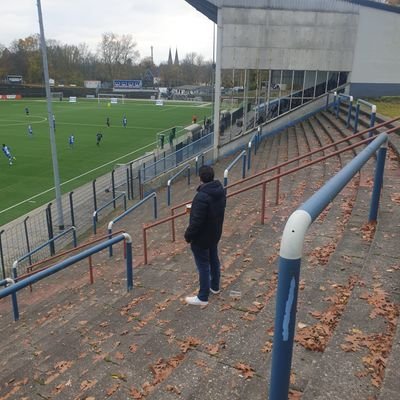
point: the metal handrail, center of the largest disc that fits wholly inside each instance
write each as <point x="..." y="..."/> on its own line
<point x="256" y="138"/>
<point x="96" y="212"/>
<point x="298" y="158"/>
<point x="290" y="260"/>
<point x="372" y="117"/>
<point x="170" y="180"/>
<point x="242" y="155"/>
<point x="255" y="185"/>
<point x="35" y="250"/>
<point x="128" y="211"/>
<point x="15" y="287"/>
<point x="350" y="100"/>
<point x="31" y="269"/>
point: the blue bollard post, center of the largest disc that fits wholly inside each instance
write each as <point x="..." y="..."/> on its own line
<point x="14" y="298"/>
<point x="285" y="321"/>
<point x="155" y="206"/>
<point x="378" y="181"/>
<point x="348" y="123"/>
<point x="74" y="237"/>
<point x="129" y="266"/>
<point x="372" y="121"/>
<point x="169" y="193"/>
<point x="244" y="166"/>
<point x="337" y="106"/>
<point x="356" y="118"/>
<point x="71" y="207"/>
<point x="94" y="223"/>
<point x="249" y="156"/>
<point x="110" y="249"/>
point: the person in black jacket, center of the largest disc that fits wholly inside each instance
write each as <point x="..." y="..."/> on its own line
<point x="204" y="232"/>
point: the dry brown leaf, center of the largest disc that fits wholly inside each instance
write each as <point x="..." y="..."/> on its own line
<point x="110" y="391"/>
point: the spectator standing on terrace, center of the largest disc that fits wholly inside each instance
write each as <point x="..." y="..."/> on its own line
<point x="204" y="232"/>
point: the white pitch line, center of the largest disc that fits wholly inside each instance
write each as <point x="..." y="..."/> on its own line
<point x="76" y="177"/>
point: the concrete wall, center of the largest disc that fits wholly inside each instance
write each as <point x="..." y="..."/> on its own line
<point x="376" y="66"/>
<point x="286" y="39"/>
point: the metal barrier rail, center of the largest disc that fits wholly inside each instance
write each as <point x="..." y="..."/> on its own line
<point x="128" y="211"/>
<point x="202" y="155"/>
<point x="31" y="269"/>
<point x="372" y="117"/>
<point x="242" y="155"/>
<point x="170" y="180"/>
<point x="256" y="139"/>
<point x="15" y="287"/>
<point x="298" y="158"/>
<point x="306" y="155"/>
<point x="253" y="186"/>
<point x="290" y="260"/>
<point x="348" y="98"/>
<point x="42" y="246"/>
<point x="150" y="171"/>
<point x="96" y="213"/>
<point x="146" y="227"/>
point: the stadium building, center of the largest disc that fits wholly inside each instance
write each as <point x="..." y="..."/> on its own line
<point x="355" y="41"/>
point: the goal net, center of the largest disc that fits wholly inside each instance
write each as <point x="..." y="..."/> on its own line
<point x="57" y="96"/>
<point x="112" y="98"/>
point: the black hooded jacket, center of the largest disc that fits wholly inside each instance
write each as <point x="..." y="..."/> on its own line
<point x="207" y="215"/>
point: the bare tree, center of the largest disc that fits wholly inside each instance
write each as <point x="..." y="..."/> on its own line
<point x="117" y="51"/>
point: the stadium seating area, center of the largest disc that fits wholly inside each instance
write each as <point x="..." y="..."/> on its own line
<point x="80" y="341"/>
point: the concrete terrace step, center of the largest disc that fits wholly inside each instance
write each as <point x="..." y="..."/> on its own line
<point x="149" y="344"/>
<point x="353" y="365"/>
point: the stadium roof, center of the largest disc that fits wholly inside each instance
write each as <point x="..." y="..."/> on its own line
<point x="209" y="8"/>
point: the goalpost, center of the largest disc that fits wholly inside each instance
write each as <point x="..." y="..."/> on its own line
<point x="112" y="98"/>
<point x="57" y="96"/>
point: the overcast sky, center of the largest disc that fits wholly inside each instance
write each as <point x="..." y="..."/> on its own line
<point x="162" y="24"/>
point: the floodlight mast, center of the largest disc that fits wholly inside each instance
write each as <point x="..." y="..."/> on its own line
<point x="50" y="119"/>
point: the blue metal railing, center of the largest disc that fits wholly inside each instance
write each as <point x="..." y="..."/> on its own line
<point x="202" y="156"/>
<point x="15" y="287"/>
<point x="158" y="167"/>
<point x="242" y="156"/>
<point x="170" y="180"/>
<point x="372" y="117"/>
<point x="253" y="142"/>
<point x="348" y="99"/>
<point x="128" y="211"/>
<point x="42" y="246"/>
<point x="112" y="201"/>
<point x="290" y="259"/>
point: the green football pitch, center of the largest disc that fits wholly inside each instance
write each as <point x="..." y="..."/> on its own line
<point x="28" y="182"/>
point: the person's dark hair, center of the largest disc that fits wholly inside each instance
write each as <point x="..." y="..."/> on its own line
<point x="206" y="173"/>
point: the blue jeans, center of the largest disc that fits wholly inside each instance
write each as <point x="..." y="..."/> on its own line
<point x="209" y="268"/>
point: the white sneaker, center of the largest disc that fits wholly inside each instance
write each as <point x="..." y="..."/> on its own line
<point x="195" y="301"/>
<point x="215" y="291"/>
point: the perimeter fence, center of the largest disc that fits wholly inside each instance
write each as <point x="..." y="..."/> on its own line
<point x="41" y="225"/>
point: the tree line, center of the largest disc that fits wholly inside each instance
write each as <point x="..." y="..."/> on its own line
<point x="116" y="58"/>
